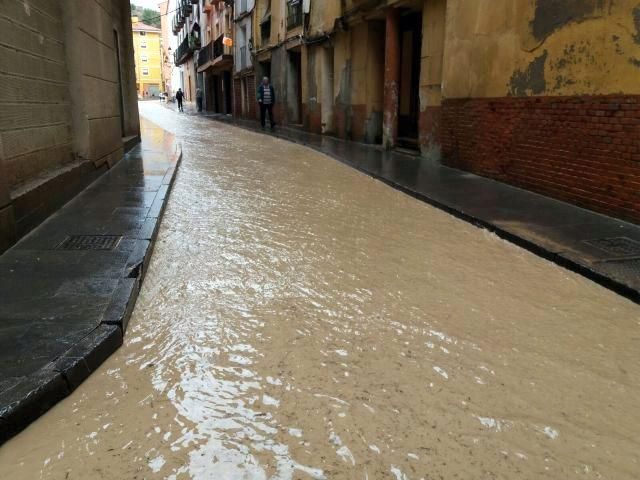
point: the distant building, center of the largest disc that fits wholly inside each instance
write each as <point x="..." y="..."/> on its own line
<point x="148" y="58"/>
<point x="186" y="26"/>
<point x="539" y="96"/>
<point x="215" y="58"/>
<point x="244" y="80"/>
<point x="68" y="103"/>
<point x="508" y="89"/>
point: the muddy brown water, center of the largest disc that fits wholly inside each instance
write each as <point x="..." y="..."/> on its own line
<point x="301" y="320"/>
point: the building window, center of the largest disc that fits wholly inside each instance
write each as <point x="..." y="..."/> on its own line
<point x="143" y="44"/>
<point x="265" y="25"/>
<point x="144" y="58"/>
<point x="294" y="13"/>
<point x="243" y="57"/>
<point x="145" y="71"/>
<point x="142" y="34"/>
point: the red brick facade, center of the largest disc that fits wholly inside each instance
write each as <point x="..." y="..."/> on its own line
<point x="251" y="97"/>
<point x="237" y="97"/>
<point x="429" y="126"/>
<point x="584" y="150"/>
<point x="251" y="111"/>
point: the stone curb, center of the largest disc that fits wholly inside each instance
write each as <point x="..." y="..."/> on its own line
<point x="34" y="395"/>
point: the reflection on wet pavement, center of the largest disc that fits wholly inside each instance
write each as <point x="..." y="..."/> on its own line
<point x="301" y="320"/>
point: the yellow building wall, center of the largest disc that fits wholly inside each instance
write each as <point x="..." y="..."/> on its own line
<point x="496" y="48"/>
<point x="153" y="54"/>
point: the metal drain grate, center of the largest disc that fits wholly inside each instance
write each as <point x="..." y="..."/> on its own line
<point x="90" y="242"/>
<point x="616" y="246"/>
<point x="622" y="269"/>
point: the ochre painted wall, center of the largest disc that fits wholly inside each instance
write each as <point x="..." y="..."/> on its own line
<point x="545" y="95"/>
<point x="148" y="58"/>
<point x="431" y="61"/>
<point x="496" y="48"/>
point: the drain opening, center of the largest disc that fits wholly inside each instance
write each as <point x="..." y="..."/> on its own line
<point x="616" y="246"/>
<point x="90" y="242"/>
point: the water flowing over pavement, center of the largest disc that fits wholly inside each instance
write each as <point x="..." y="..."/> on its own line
<point x="301" y="320"/>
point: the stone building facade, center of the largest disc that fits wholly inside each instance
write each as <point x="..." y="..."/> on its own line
<point x="536" y="93"/>
<point x="68" y="99"/>
<point x="215" y="58"/>
<point x="244" y="80"/>
<point x="147" y="51"/>
<point x="186" y="25"/>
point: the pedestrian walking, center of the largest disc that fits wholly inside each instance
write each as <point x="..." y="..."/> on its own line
<point x="179" y="97"/>
<point x="266" y="99"/>
<point x="199" y="98"/>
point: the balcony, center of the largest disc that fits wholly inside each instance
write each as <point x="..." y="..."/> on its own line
<point x="215" y="56"/>
<point x="186" y="49"/>
<point x="294" y="14"/>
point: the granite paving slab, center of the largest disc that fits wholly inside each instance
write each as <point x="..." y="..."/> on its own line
<point x="68" y="288"/>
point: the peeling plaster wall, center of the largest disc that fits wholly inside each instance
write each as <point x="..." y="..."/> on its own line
<point x="359" y="82"/>
<point x="322" y="16"/>
<point x="496" y="48"/>
<point x="431" y="65"/>
<point x="545" y="95"/>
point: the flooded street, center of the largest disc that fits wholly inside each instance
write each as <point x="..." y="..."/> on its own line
<point x="302" y="320"/>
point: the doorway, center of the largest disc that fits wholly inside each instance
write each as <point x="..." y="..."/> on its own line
<point x="265" y="71"/>
<point x="214" y="98"/>
<point x="294" y="87"/>
<point x="409" y="101"/>
<point x="326" y="103"/>
<point x="226" y="92"/>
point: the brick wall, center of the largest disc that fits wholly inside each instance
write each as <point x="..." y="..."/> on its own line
<point x="251" y="97"/>
<point x="237" y="97"/>
<point x="584" y="150"/>
<point x="250" y="111"/>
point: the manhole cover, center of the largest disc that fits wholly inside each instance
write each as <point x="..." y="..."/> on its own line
<point x="90" y="242"/>
<point x="616" y="246"/>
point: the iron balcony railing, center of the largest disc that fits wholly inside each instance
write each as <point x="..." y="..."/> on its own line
<point x="294" y="14"/>
<point x="212" y="50"/>
<point x="186" y="48"/>
<point x="187" y="7"/>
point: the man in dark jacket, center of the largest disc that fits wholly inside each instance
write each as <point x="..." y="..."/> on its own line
<point x="179" y="97"/>
<point x="266" y="99"/>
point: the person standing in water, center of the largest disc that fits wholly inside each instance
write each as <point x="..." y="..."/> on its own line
<point x="266" y="99"/>
<point x="199" y="98"/>
<point x="179" y="97"/>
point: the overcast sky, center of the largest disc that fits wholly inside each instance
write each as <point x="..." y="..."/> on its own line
<point x="152" y="4"/>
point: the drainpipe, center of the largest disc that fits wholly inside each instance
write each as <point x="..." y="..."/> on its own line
<point x="391" y="78"/>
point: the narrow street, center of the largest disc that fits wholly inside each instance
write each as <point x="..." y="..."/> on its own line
<point x="302" y="320"/>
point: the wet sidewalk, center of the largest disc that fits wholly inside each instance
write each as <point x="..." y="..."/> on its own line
<point x="602" y="248"/>
<point x="68" y="288"/>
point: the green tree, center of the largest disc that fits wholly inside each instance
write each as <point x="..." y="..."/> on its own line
<point x="151" y="17"/>
<point x="146" y="15"/>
